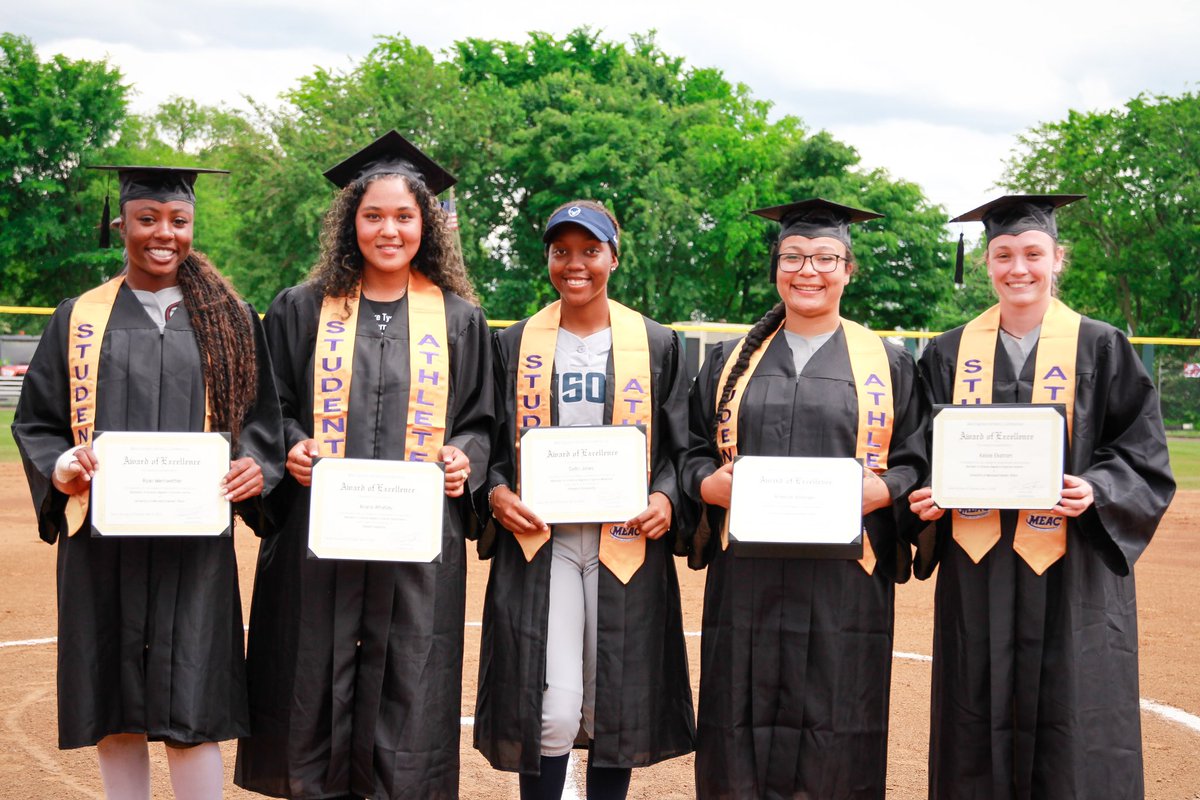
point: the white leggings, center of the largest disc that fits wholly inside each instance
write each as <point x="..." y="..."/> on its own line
<point x="571" y="638"/>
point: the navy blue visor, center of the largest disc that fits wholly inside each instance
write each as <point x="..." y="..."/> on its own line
<point x="595" y="222"/>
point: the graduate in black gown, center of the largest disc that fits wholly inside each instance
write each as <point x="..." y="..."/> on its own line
<point x="796" y="652"/>
<point x="150" y="628"/>
<point x="355" y="667"/>
<point x="1035" y="674"/>
<point x="582" y="630"/>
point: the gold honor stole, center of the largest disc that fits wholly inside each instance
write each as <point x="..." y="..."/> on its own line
<point x="89" y="321"/>
<point x="429" y="371"/>
<point x="876" y="409"/>
<point x="622" y="549"/>
<point x="1041" y="536"/>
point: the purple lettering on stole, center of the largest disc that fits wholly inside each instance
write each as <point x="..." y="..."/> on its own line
<point x="336" y="425"/>
<point x="1055" y="372"/>
<point x="971" y="366"/>
<point x="422" y="417"/>
<point x="877" y="419"/>
<point x="421" y="401"/>
<point x="331" y="405"/>
<point x="333" y="445"/>
<point x="81" y="394"/>
<point x="530" y="421"/>
<point x="327" y="387"/>
<point x="82" y="348"/>
<point x="427" y="377"/>
<point x="871" y="460"/>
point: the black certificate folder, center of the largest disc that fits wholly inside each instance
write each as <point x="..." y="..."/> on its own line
<point x="796" y="507"/>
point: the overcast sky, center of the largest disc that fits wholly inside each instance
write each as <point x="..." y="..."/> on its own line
<point x="935" y="92"/>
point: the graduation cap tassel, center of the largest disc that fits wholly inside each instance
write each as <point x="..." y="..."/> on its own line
<point x="958" y="262"/>
<point x="105" y="233"/>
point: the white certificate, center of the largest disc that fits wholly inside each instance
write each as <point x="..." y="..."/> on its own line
<point x="371" y="510"/>
<point x="160" y="484"/>
<point x="998" y="456"/>
<point x="796" y="506"/>
<point x="584" y="473"/>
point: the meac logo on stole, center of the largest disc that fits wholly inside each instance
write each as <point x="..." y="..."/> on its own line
<point x="974" y="513"/>
<point x="623" y="532"/>
<point x="1044" y="522"/>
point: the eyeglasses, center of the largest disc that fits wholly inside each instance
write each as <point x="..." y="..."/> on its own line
<point x="821" y="262"/>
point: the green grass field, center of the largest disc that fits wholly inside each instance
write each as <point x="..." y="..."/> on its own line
<point x="8" y="448"/>
<point x="1185" y="453"/>
<point x="1185" y="462"/>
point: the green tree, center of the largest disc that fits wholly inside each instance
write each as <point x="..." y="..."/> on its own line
<point x="1135" y="242"/>
<point x="682" y="156"/>
<point x="679" y="153"/>
<point x="54" y="116"/>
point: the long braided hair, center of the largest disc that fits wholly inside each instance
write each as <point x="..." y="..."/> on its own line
<point x="767" y="325"/>
<point x="226" y="340"/>
<point x="339" y="268"/>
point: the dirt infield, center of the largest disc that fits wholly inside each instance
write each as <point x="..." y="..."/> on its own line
<point x="31" y="766"/>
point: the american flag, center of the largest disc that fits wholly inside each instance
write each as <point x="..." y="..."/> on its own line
<point x="451" y="212"/>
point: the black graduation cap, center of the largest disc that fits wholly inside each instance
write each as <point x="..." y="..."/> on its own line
<point x="1011" y="215"/>
<point x="164" y="184"/>
<point x="391" y="153"/>
<point x="816" y="217"/>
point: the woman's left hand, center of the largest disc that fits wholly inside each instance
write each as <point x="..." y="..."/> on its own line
<point x="243" y="481"/>
<point x="1076" y="496"/>
<point x="458" y="469"/>
<point x="876" y="494"/>
<point x="656" y="519"/>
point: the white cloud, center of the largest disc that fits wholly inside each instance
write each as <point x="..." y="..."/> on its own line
<point x="210" y="75"/>
<point x="934" y="90"/>
<point x="955" y="166"/>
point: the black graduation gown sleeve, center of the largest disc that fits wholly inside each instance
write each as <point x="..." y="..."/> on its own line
<point x="1020" y="660"/>
<point x="41" y="426"/>
<point x="355" y="668"/>
<point x="262" y="433"/>
<point x="796" y="653"/>
<point x="643" y="695"/>
<point x="150" y="629"/>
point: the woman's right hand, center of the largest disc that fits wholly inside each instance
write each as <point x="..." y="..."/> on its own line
<point x="514" y="515"/>
<point x="717" y="487"/>
<point x="920" y="502"/>
<point x="75" y="476"/>
<point x="300" y="461"/>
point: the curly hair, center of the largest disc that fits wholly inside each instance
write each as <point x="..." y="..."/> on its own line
<point x="595" y="206"/>
<point x="225" y="337"/>
<point x="339" y="268"/>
